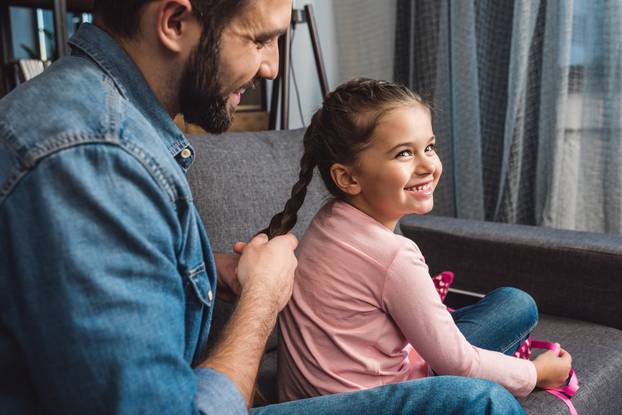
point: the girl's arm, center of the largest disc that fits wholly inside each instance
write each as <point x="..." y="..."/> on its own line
<point x="410" y="298"/>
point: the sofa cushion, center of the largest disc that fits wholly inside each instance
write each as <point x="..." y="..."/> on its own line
<point x="266" y="378"/>
<point x="596" y="359"/>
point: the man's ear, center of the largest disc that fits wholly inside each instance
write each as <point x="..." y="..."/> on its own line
<point x="343" y="178"/>
<point x="177" y="25"/>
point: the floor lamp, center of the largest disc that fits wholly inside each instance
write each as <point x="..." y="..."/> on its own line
<point x="280" y="86"/>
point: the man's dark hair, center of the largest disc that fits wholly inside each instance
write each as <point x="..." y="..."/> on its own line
<point x="122" y="17"/>
<point x="202" y="97"/>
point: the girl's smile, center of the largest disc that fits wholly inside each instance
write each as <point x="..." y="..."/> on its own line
<point x="423" y="190"/>
<point x="399" y="170"/>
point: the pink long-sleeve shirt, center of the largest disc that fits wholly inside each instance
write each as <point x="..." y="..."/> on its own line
<point x="364" y="312"/>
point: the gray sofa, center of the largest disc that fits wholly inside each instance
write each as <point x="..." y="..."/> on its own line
<point x="240" y="180"/>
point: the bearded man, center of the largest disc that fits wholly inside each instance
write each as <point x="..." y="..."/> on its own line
<point x="107" y="278"/>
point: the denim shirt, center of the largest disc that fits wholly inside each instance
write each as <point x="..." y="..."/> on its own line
<point x="107" y="278"/>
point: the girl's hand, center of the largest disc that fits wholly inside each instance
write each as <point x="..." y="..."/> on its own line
<point x="552" y="369"/>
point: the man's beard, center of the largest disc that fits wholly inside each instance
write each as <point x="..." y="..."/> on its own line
<point x="201" y="98"/>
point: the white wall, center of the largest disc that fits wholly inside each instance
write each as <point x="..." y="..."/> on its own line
<point x="356" y="38"/>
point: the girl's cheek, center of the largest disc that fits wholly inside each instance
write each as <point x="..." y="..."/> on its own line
<point x="440" y="167"/>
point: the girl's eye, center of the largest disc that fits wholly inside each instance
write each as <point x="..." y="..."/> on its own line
<point x="430" y="147"/>
<point x="404" y="153"/>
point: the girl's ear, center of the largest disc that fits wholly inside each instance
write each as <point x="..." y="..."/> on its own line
<point x="343" y="178"/>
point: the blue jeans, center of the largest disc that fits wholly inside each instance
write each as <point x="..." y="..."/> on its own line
<point x="500" y="321"/>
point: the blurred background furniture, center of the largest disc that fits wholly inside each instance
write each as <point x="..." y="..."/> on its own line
<point x="280" y="86"/>
<point x="35" y="30"/>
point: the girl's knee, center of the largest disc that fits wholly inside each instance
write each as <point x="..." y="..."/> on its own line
<point x="519" y="303"/>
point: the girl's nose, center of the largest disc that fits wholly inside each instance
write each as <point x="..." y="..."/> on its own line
<point x="425" y="166"/>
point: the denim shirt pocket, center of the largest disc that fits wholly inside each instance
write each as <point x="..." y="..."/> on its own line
<point x="199" y="298"/>
<point x="198" y="281"/>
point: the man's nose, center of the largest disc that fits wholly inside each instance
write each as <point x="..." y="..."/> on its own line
<point x="269" y="67"/>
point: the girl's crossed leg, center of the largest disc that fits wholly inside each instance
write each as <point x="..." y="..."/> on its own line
<point x="500" y="321"/>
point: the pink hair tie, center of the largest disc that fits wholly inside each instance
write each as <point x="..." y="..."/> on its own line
<point x="564" y="392"/>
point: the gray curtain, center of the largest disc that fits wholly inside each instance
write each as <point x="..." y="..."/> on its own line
<point x="528" y="106"/>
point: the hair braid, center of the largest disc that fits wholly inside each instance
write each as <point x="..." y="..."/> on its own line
<point x="284" y="221"/>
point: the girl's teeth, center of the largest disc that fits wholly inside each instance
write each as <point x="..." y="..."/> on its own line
<point x="423" y="187"/>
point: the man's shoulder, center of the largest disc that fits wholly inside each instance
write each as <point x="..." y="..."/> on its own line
<point x="73" y="98"/>
<point x="72" y="103"/>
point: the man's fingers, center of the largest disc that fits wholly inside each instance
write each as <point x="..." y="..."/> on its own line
<point x="263" y="238"/>
<point x="238" y="247"/>
<point x="290" y="238"/>
<point x="259" y="239"/>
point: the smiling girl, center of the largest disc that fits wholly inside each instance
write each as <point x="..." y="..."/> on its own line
<point x="364" y="311"/>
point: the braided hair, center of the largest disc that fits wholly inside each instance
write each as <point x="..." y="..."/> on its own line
<point x="338" y="132"/>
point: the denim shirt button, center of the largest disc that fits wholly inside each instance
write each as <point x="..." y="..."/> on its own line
<point x="210" y="296"/>
<point x="185" y="153"/>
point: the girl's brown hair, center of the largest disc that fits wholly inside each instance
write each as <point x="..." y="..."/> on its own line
<point x="337" y="133"/>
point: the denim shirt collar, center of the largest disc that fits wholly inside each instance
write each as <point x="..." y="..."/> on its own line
<point x="100" y="47"/>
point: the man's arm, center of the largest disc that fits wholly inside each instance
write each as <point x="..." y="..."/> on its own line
<point x="92" y="292"/>
<point x="265" y="273"/>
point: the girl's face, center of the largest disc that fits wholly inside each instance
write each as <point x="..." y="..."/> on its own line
<point x="398" y="172"/>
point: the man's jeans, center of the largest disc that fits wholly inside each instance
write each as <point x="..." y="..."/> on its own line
<point x="500" y="321"/>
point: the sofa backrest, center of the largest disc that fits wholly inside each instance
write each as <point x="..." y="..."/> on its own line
<point x="240" y="180"/>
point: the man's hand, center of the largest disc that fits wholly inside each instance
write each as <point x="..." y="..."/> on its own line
<point x="229" y="287"/>
<point x="238" y="247"/>
<point x="265" y="272"/>
<point x="266" y="268"/>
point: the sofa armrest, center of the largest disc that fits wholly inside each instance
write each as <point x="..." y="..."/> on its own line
<point x="569" y="273"/>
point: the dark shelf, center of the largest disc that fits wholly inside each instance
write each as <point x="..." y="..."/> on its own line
<point x="59" y="8"/>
